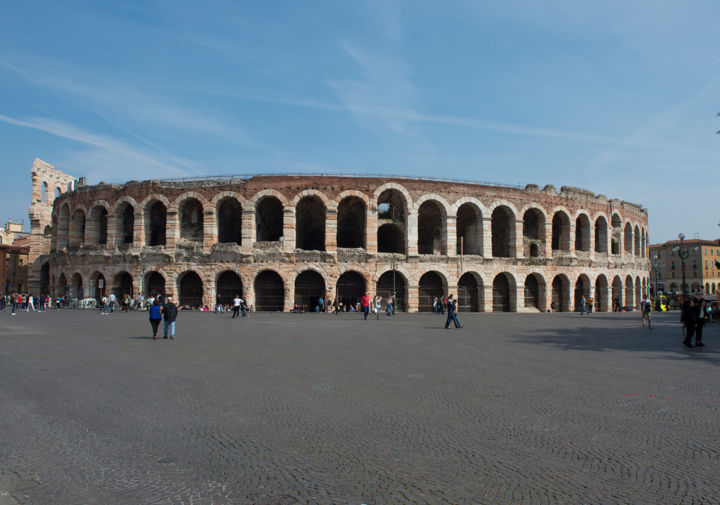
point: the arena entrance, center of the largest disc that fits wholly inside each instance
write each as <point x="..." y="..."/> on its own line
<point x="501" y="293"/>
<point x="309" y="288"/>
<point x="467" y="292"/>
<point x="601" y="292"/>
<point x="431" y="286"/>
<point x="154" y="284"/>
<point x="582" y="288"/>
<point x="350" y="288"/>
<point x="190" y="288"/>
<point x="123" y="285"/>
<point x="560" y="294"/>
<point x="269" y="291"/>
<point x="534" y="287"/>
<point x="228" y="286"/>
<point x="45" y="279"/>
<point x="384" y="288"/>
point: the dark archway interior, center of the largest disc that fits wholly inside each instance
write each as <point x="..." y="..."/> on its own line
<point x="100" y="287"/>
<point x="582" y="233"/>
<point x="429" y="288"/>
<point x="560" y="289"/>
<point x="531" y="224"/>
<point x="430" y="228"/>
<point x="390" y="282"/>
<point x="154" y="284"/>
<point x="191" y="290"/>
<point x="501" y="294"/>
<point x="617" y="289"/>
<point x="628" y="238"/>
<point x="228" y="286"/>
<point x="391" y="206"/>
<point x="269" y="291"/>
<point x="601" y="301"/>
<point x="63" y="235"/>
<point x="560" y="232"/>
<point x="637" y="241"/>
<point x="351" y="223"/>
<point x="350" y="288"/>
<point x="77" y="228"/>
<point x="77" y="287"/>
<point x="310" y="229"/>
<point x="582" y="288"/>
<point x="628" y="292"/>
<point x="469" y="230"/>
<point x="309" y="288"/>
<point x="269" y="220"/>
<point x="45" y="279"/>
<point x="601" y="235"/>
<point x="468" y="299"/>
<point x="126" y="225"/>
<point x="191" y="220"/>
<point x="532" y="292"/>
<point x="102" y="224"/>
<point x="229" y="220"/>
<point x="502" y="223"/>
<point x="616" y="234"/>
<point x="391" y="239"/>
<point x="123" y="285"/>
<point x="62" y="286"/>
<point x="157" y="224"/>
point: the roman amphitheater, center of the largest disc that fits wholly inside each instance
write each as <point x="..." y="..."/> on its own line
<point x="285" y="239"/>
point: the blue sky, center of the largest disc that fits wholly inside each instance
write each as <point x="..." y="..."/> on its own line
<point x="618" y="97"/>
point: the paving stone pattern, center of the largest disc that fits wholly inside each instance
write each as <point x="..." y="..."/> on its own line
<point x="286" y="409"/>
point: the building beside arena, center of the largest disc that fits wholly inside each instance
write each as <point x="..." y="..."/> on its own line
<point x="283" y="239"/>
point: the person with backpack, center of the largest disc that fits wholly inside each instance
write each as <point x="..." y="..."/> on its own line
<point x="169" y="312"/>
<point x="155" y="317"/>
<point x="452" y="313"/>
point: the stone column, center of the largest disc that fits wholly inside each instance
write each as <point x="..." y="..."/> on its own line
<point x="172" y="229"/>
<point x="138" y="229"/>
<point x="289" y="229"/>
<point x="111" y="230"/>
<point x="331" y="230"/>
<point x="451" y="235"/>
<point x="371" y="224"/>
<point x="411" y="233"/>
<point x="591" y="231"/>
<point x="518" y="242"/>
<point x="571" y="245"/>
<point x="413" y="298"/>
<point x="548" y="239"/>
<point x="248" y="230"/>
<point x="487" y="237"/>
<point x="487" y="298"/>
<point x="210" y="229"/>
<point x="289" y="298"/>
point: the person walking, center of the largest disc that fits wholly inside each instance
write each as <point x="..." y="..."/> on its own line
<point x="690" y="320"/>
<point x="389" y="309"/>
<point x="581" y="308"/>
<point x="155" y="317"/>
<point x="14" y="303"/>
<point x="452" y="313"/>
<point x="237" y="302"/>
<point x="365" y="302"/>
<point x="700" y="324"/>
<point x="169" y="312"/>
<point x="378" y="306"/>
<point x="645" y="307"/>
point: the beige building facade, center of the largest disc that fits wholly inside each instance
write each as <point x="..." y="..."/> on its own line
<point x="285" y="240"/>
<point x="701" y="274"/>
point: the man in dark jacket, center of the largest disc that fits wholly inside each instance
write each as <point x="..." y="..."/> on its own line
<point x="170" y="312"/>
<point x="690" y="319"/>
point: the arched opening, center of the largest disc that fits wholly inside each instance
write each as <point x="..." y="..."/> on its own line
<point x="535" y="292"/>
<point x="351" y="223"/>
<point x="533" y="233"/>
<point x="393" y="282"/>
<point x="582" y="289"/>
<point x="63" y="235"/>
<point x="123" y="285"/>
<point x="229" y="221"/>
<point x="77" y="228"/>
<point x="431" y="286"/>
<point x="98" y="287"/>
<point x="228" y="286"/>
<point x="310" y="224"/>
<point x="391" y="239"/>
<point x="582" y="233"/>
<point x="638" y="291"/>
<point x="268" y="220"/>
<point x="504" y="293"/>
<point x="617" y="291"/>
<point x="628" y="238"/>
<point x="97" y="231"/>
<point x="44" y="190"/>
<point x="629" y="301"/>
<point x="637" y="241"/>
<point x="503" y="232"/>
<point x="469" y="230"/>
<point x="57" y="192"/>
<point x="154" y="284"/>
<point x="190" y="289"/>
<point x="469" y="293"/>
<point x="309" y="288"/>
<point x="269" y="291"/>
<point x="560" y="232"/>
<point x="191" y="221"/>
<point x="125" y="217"/>
<point x="431" y="228"/>
<point x="62" y="286"/>
<point x="643" y="243"/>
<point x="350" y="288"/>
<point x="156" y="224"/>
<point x="602" y="304"/>
<point x="616" y="236"/>
<point x="45" y="279"/>
<point x="76" y="287"/>
<point x="601" y="231"/>
<point x="707" y="288"/>
<point x="560" y="294"/>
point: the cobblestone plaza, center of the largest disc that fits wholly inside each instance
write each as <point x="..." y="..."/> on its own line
<point x="319" y="409"/>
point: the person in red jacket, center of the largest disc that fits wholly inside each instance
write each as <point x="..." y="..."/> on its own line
<point x="365" y="302"/>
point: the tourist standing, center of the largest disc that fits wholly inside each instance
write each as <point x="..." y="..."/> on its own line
<point x="155" y="317"/>
<point x="365" y="302"/>
<point x="700" y="324"/>
<point x="389" y="309"/>
<point x="14" y="303"/>
<point x="237" y="302"/>
<point x="169" y="313"/>
<point x="689" y="315"/>
<point x="111" y="302"/>
<point x="378" y="306"/>
<point x="452" y="313"/>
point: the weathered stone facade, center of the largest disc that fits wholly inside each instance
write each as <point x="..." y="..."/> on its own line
<point x="285" y="239"/>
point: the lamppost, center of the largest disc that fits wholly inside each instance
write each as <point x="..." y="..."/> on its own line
<point x="656" y="266"/>
<point x="683" y="254"/>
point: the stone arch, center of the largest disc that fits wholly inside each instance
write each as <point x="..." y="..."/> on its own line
<point x="397" y="187"/>
<point x="582" y="289"/>
<point x="122" y="284"/>
<point x="97" y="225"/>
<point x="617" y="292"/>
<point x="535" y="292"/>
<point x="638" y="291"/>
<point x="191" y="217"/>
<point x="63" y="235"/>
<point x="98" y="287"/>
<point x="44" y="192"/>
<point x="124" y="212"/>
<point x="228" y="284"/>
<point x="602" y="301"/>
<point x="504" y="293"/>
<point x="77" y="290"/>
<point x="628" y="238"/>
<point x="350" y="287"/>
<point x="616" y="234"/>
<point x="309" y="288"/>
<point x="469" y="228"/>
<point x="470" y="290"/>
<point x="432" y="227"/>
<point x="269" y="211"/>
<point x="503" y="231"/>
<point x="390" y="239"/>
<point x="560" y="231"/>
<point x="311" y="193"/>
<point x="77" y="228"/>
<point x="156" y="209"/>
<point x="560" y="294"/>
<point x="432" y="284"/>
<point x="310" y="215"/>
<point x="269" y="291"/>
<point x="62" y="285"/>
<point x="155" y="282"/>
<point x="601" y="234"/>
<point x="534" y="232"/>
<point x="351" y="221"/>
<point x="629" y="293"/>
<point x="636" y="248"/>
<point x="582" y="232"/>
<point x="393" y="282"/>
<point x="229" y="211"/>
<point x="190" y="289"/>
<point x="45" y="279"/>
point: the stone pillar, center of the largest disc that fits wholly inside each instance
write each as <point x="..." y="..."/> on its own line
<point x="248" y="230"/>
<point x="487" y="298"/>
<point x="413" y="298"/>
<point x="548" y="293"/>
<point x="289" y="298"/>
<point x="487" y="237"/>
<point x="172" y="230"/>
<point x="411" y="233"/>
<point x="451" y="235"/>
<point x="548" y="239"/>
<point x="518" y="242"/>
<point x="111" y="230"/>
<point x="210" y="229"/>
<point x="331" y="229"/>
<point x="138" y="229"/>
<point x="371" y="225"/>
<point x="571" y="245"/>
<point x="591" y="231"/>
<point x="139" y="283"/>
<point x="289" y="229"/>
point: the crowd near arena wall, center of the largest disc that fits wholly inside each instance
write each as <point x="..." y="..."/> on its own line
<point x="281" y="240"/>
